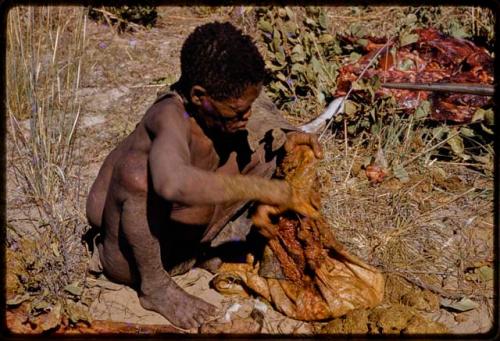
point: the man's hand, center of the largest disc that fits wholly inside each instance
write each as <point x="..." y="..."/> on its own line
<point x="306" y="205"/>
<point x="262" y="219"/>
<point x="295" y="138"/>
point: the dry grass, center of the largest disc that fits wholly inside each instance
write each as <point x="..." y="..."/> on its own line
<point x="430" y="229"/>
<point x="390" y="20"/>
<point x="435" y="228"/>
<point x="44" y="57"/>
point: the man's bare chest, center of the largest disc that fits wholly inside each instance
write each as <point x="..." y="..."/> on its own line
<point x="226" y="156"/>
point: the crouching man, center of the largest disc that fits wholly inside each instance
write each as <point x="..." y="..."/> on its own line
<point x="169" y="188"/>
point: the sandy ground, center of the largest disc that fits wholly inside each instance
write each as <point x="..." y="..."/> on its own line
<point x="120" y="303"/>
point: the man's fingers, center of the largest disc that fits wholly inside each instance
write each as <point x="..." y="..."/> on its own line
<point x="262" y="219"/>
<point x="307" y="210"/>
<point x="310" y="140"/>
<point x="316" y="200"/>
<point x="318" y="151"/>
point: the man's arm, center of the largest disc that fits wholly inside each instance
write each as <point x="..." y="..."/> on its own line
<point x="175" y="179"/>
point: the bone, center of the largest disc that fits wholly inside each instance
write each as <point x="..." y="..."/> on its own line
<point x="335" y="107"/>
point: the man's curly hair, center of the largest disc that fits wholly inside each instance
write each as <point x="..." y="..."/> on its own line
<point x="220" y="58"/>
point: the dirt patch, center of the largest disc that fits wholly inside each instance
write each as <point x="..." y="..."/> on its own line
<point x="396" y="319"/>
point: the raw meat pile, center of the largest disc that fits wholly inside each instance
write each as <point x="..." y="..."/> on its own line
<point x="433" y="58"/>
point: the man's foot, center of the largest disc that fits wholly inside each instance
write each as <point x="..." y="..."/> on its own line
<point x="180" y="308"/>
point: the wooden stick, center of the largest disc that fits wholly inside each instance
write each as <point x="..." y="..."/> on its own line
<point x="464" y="88"/>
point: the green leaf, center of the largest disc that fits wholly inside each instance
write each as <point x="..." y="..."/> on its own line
<point x="423" y="110"/>
<point x="485" y="273"/>
<point x="289" y="12"/>
<point x="265" y="26"/>
<point x="485" y="115"/>
<point x="486" y="160"/>
<point x="281" y="87"/>
<point x="408" y="38"/>
<point x="316" y="65"/>
<point x="350" y="108"/>
<point x="322" y="20"/>
<point x="77" y="312"/>
<point x="439" y="132"/>
<point x="310" y="22"/>
<point x="406" y="64"/>
<point x="55" y="250"/>
<point x="281" y="76"/>
<point x="375" y="82"/>
<point x="478" y="115"/>
<point x="363" y="42"/>
<point x="365" y="123"/>
<point x="367" y="160"/>
<point x="290" y="28"/>
<point x="411" y="19"/>
<point x="354" y="57"/>
<point x="298" y="69"/>
<point x="358" y="85"/>
<point x="400" y="173"/>
<point x="375" y="128"/>
<point x="457" y="30"/>
<point x="325" y="38"/>
<point x="74" y="289"/>
<point x="310" y="74"/>
<point x="457" y="144"/>
<point x="358" y="29"/>
<point x="486" y="129"/>
<point x="274" y="67"/>
<point x="297" y="54"/>
<point x="465" y="304"/>
<point x="160" y="80"/>
<point x="467" y="132"/>
<point x="276" y="40"/>
<point x="40" y="305"/>
<point x="280" y="57"/>
<point x="18" y="299"/>
<point x="489" y="117"/>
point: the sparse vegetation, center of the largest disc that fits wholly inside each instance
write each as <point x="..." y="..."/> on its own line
<point x="303" y="49"/>
<point x="126" y="17"/>
<point x="44" y="58"/>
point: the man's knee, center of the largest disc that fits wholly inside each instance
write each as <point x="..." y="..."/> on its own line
<point x="93" y="209"/>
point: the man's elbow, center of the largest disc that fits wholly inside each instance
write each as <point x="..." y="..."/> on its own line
<point x="170" y="191"/>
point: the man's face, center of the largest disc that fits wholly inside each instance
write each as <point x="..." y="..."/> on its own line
<point x="232" y="114"/>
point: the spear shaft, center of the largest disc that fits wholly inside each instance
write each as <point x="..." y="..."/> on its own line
<point x="465" y="88"/>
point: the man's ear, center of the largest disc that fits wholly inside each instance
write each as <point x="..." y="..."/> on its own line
<point x="197" y="93"/>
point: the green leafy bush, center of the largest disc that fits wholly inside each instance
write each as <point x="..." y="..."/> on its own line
<point x="304" y="53"/>
<point x="126" y="17"/>
<point x="301" y="53"/>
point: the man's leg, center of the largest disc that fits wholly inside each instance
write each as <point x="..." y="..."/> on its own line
<point x="157" y="290"/>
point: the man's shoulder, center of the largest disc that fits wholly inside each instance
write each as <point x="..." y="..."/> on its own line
<point x="166" y="110"/>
